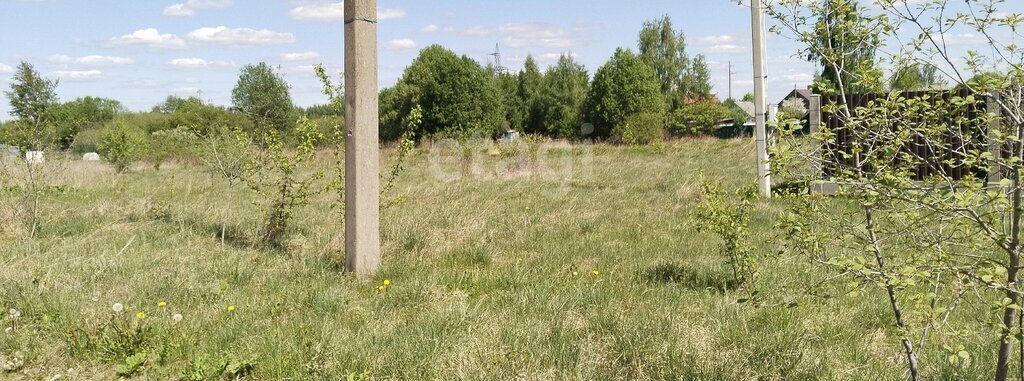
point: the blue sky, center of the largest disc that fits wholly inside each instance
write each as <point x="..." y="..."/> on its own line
<point x="139" y="52"/>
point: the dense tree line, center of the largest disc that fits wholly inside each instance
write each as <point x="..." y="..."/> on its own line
<point x="261" y="103"/>
<point x="634" y="97"/>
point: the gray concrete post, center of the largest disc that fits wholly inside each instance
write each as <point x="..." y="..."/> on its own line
<point x="814" y="120"/>
<point x="362" y="153"/>
<point x="760" y="106"/>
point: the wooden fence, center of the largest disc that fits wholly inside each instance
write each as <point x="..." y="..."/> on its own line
<point x="966" y="134"/>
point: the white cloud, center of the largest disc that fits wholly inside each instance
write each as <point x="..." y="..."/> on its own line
<point x="199" y="63"/>
<point x="91" y="60"/>
<point x="528" y="35"/>
<point x="961" y="39"/>
<point x="239" y="36"/>
<point x="301" y="69"/>
<point x="529" y="30"/>
<point x="717" y="40"/>
<point x="327" y="12"/>
<point x="517" y="42"/>
<point x="476" y="31"/>
<point x="390" y="13"/>
<point x="792" y="77"/>
<point x="147" y="83"/>
<point x="78" y="75"/>
<point x="400" y="44"/>
<point x="189" y="8"/>
<point x="4" y="69"/>
<point x="434" y="28"/>
<point x="722" y="44"/>
<point x="149" y="37"/>
<point x="186" y="90"/>
<point x="303" y="56"/>
<point x="179" y="10"/>
<point x="318" y="12"/>
<point x="727" y="49"/>
<point x="544" y="57"/>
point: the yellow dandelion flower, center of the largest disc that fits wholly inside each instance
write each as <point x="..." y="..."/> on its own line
<point x="387" y="282"/>
<point x="231" y="308"/>
<point x="595" y="272"/>
<point x="140" y="315"/>
<point x="380" y="288"/>
<point x="161" y="304"/>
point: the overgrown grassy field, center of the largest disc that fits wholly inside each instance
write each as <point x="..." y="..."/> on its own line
<point x="495" y="271"/>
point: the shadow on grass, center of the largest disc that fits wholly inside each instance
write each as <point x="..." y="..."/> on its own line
<point x="473" y="256"/>
<point x="709" y="278"/>
<point x="230" y="234"/>
<point x="791" y="188"/>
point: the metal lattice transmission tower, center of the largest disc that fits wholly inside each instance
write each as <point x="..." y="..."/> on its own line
<point x="498" y="68"/>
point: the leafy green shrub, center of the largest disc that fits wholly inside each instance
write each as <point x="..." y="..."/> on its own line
<point x="169" y="144"/>
<point x="87" y="141"/>
<point x="793" y="112"/>
<point x="562" y="97"/>
<point x="271" y="170"/>
<point x="17" y="133"/>
<point x="121" y="145"/>
<point x="640" y="129"/>
<point x="132" y="365"/>
<point x="457" y="96"/>
<point x="698" y="118"/>
<point x="717" y="213"/>
<point x="622" y="88"/>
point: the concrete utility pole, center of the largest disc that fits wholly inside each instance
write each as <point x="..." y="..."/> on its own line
<point x="760" y="105"/>
<point x="362" y="154"/>
<point x="730" y="80"/>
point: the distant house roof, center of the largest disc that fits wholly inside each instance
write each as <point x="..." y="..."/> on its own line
<point x="803" y="95"/>
<point x="747" y="107"/>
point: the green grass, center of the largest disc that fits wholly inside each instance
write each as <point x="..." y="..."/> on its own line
<point x="493" y="278"/>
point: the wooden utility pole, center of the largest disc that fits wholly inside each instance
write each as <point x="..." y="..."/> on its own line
<point x="760" y="105"/>
<point x="362" y="154"/>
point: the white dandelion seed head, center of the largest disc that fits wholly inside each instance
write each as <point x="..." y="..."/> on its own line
<point x="177" y="318"/>
<point x="9" y="330"/>
<point x="117" y="307"/>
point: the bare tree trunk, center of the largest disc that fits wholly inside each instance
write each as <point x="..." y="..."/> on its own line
<point x="1009" y="314"/>
<point x="890" y="290"/>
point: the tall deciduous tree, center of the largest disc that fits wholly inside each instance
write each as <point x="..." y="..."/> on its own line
<point x="625" y="86"/>
<point x="531" y="81"/>
<point x="262" y="95"/>
<point x="563" y="95"/>
<point x="82" y="113"/>
<point x="516" y="112"/>
<point x="698" y="80"/>
<point x="682" y="79"/>
<point x="456" y="95"/>
<point x="914" y="77"/>
<point x="33" y="99"/>
<point x="845" y="42"/>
